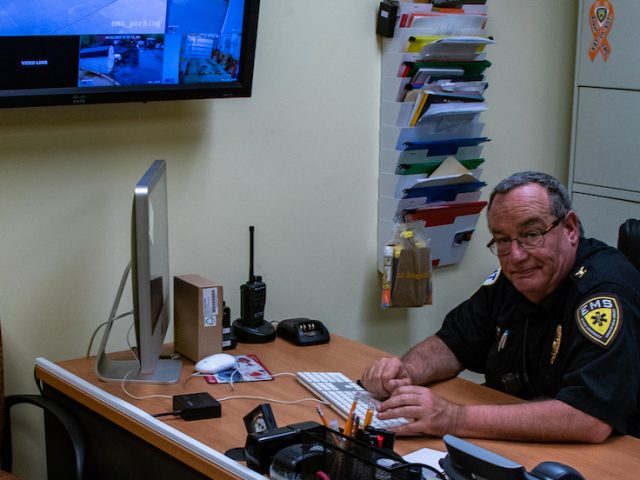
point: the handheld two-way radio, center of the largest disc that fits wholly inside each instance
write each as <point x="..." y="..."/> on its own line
<point x="251" y="327"/>
<point x="253" y="294"/>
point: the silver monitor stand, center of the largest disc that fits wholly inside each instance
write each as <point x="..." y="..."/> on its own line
<point x="167" y="371"/>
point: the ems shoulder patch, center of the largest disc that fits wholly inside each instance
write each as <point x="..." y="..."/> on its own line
<point x="599" y="319"/>
<point x="491" y="279"/>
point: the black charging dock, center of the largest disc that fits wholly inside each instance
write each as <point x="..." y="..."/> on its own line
<point x="261" y="333"/>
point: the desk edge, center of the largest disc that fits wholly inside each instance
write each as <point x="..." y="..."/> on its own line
<point x="150" y="422"/>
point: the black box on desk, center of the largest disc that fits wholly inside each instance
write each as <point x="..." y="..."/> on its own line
<point x="197" y="316"/>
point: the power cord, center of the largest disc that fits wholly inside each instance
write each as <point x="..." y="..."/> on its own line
<point x="174" y="413"/>
<point x="103" y="324"/>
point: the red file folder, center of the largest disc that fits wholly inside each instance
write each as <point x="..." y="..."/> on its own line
<point x="444" y="214"/>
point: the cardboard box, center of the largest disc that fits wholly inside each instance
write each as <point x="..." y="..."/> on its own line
<point x="197" y="317"/>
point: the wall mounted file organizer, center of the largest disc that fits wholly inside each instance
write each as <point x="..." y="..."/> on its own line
<point x="431" y="130"/>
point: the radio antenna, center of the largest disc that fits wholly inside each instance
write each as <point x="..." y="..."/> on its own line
<point x="252" y="278"/>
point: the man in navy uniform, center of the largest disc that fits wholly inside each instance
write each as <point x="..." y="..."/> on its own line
<point x="558" y="324"/>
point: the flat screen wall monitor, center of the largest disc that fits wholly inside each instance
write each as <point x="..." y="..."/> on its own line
<point x="150" y="287"/>
<point x="70" y="52"/>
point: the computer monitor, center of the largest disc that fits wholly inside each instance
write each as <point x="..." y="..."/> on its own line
<point x="77" y="52"/>
<point x="151" y="284"/>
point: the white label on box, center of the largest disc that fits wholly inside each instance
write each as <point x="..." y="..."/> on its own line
<point x="210" y="306"/>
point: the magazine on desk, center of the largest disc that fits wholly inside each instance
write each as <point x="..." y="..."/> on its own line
<point x="248" y="368"/>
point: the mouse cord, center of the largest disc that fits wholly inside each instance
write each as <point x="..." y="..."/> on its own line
<point x="233" y="397"/>
<point x="252" y="397"/>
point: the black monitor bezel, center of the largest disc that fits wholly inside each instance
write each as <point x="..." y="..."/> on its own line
<point x="242" y="87"/>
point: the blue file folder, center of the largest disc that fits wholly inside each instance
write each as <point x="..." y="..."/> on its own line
<point x="442" y="193"/>
<point x="444" y="147"/>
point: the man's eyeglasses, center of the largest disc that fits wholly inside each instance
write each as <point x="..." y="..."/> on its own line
<point x="527" y="240"/>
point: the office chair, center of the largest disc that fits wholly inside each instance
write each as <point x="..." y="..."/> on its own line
<point x="629" y="240"/>
<point x="54" y="412"/>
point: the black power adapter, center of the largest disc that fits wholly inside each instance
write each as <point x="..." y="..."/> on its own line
<point x="196" y="406"/>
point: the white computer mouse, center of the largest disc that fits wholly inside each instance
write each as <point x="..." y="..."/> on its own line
<point x="215" y="363"/>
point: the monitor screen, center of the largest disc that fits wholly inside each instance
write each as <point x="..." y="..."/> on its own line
<point x="66" y="52"/>
<point x="150" y="286"/>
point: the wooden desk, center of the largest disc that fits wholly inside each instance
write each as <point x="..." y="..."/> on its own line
<point x="618" y="457"/>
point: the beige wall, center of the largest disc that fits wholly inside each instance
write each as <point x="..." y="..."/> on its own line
<point x="298" y="160"/>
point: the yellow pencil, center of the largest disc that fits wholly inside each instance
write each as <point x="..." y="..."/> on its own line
<point x="354" y="405"/>
<point x="351" y="422"/>
<point x="368" y="416"/>
<point x="322" y="417"/>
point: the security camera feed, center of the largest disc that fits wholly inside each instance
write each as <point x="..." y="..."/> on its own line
<point x="118" y="43"/>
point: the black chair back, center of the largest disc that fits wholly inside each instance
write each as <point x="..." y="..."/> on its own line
<point x="629" y="240"/>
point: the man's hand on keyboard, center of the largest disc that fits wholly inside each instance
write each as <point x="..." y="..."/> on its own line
<point x="431" y="414"/>
<point x="384" y="376"/>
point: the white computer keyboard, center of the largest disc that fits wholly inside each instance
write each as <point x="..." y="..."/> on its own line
<point x="339" y="391"/>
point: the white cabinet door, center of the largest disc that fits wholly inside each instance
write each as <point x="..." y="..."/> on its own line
<point x="622" y="68"/>
<point x="607" y="145"/>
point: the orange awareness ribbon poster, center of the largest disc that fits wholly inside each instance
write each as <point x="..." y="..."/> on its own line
<point x="601" y="16"/>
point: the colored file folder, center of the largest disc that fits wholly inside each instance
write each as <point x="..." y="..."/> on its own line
<point x="429" y="167"/>
<point x="446" y="45"/>
<point x="436" y="215"/>
<point x="447" y="181"/>
<point x="444" y="147"/>
<point x="442" y="193"/>
<point x="444" y="129"/>
<point x="391" y="159"/>
<point x="433" y="103"/>
<point x="408" y="69"/>
<point x="394" y="208"/>
<point x="448" y="24"/>
<point x="450" y="175"/>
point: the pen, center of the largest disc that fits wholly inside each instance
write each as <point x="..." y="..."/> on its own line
<point x="387" y="276"/>
<point x="321" y="415"/>
<point x="355" y="427"/>
<point x="503" y="340"/>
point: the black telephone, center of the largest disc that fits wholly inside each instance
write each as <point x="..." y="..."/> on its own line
<point x="303" y="331"/>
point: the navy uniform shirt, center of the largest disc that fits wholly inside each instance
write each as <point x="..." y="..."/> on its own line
<point x="581" y="345"/>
